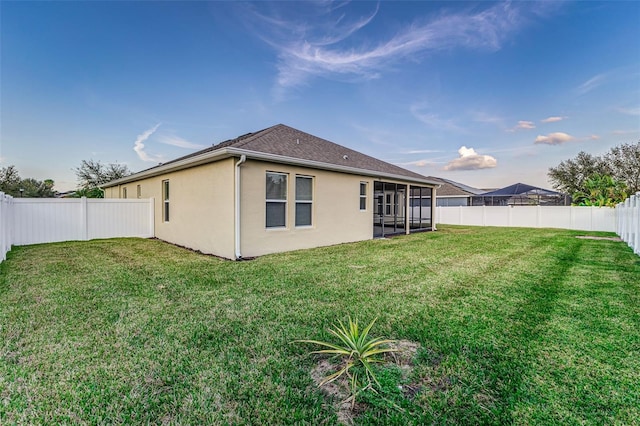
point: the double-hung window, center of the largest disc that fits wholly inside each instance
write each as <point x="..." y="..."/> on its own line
<point x="165" y="200"/>
<point x="304" y="200"/>
<point x="363" y="195"/>
<point x="276" y="196"/>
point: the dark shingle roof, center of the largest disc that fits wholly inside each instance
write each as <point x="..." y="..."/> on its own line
<point x="520" y="189"/>
<point x="450" y="188"/>
<point x="288" y="142"/>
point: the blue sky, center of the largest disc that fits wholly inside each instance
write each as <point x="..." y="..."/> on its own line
<point x="485" y="93"/>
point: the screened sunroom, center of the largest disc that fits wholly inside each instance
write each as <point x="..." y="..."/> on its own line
<point x="396" y="213"/>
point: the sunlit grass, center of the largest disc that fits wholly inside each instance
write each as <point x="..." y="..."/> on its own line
<point x="516" y="326"/>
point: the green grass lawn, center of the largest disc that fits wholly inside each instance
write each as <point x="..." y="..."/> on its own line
<point x="515" y="326"/>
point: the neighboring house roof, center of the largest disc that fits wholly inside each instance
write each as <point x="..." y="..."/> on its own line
<point x="519" y="189"/>
<point x="451" y="188"/>
<point x="284" y="144"/>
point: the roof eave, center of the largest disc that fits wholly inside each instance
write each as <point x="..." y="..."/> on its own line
<point x="262" y="156"/>
<point x="275" y="158"/>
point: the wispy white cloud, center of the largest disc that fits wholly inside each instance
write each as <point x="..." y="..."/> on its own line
<point x="591" y="84"/>
<point x="470" y="160"/>
<point x="179" y="142"/>
<point x="421" y="112"/>
<point x="594" y="137"/>
<point x="556" y="138"/>
<point x="483" y="117"/>
<point x="523" y="125"/>
<point x="553" y="119"/>
<point x="625" y="132"/>
<point x="325" y="44"/>
<point x="138" y="146"/>
<point x="421" y="151"/>
<point x="629" y="111"/>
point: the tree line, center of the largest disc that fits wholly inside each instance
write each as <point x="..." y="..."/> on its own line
<point x="91" y="174"/>
<point x="591" y="180"/>
<point x="603" y="180"/>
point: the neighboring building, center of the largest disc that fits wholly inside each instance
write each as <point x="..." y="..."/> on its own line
<point x="276" y="190"/>
<point x="521" y="194"/>
<point x="451" y="193"/>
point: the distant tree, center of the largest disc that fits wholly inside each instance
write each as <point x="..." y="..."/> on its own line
<point x="11" y="183"/>
<point x="624" y="162"/>
<point x="9" y="180"/>
<point x="33" y="188"/>
<point x="601" y="191"/>
<point x="91" y="174"/>
<point x="570" y="175"/>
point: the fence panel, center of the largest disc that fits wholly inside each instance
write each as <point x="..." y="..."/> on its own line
<point x="628" y="216"/>
<point x="48" y="220"/>
<point x="110" y="218"/>
<point x="573" y="217"/>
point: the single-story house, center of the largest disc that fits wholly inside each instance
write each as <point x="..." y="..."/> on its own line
<point x="276" y="190"/>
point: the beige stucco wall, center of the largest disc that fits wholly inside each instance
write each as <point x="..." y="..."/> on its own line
<point x="336" y="214"/>
<point x="201" y="206"/>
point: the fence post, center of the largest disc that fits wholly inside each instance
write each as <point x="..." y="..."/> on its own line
<point x="636" y="213"/>
<point x="84" y="232"/>
<point x="152" y="217"/>
<point x="6" y="225"/>
<point x="3" y="227"/>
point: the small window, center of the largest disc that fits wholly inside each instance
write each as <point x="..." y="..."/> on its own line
<point x="124" y="192"/>
<point x="276" y="200"/>
<point x="165" y="200"/>
<point x="304" y="200"/>
<point x="138" y="191"/>
<point x="363" y="195"/>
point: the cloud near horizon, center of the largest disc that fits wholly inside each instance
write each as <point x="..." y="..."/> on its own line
<point x="322" y="45"/>
<point x="179" y="142"/>
<point x="553" y="119"/>
<point x="138" y="146"/>
<point x="470" y="160"/>
<point x="523" y="125"/>
<point x="556" y="138"/>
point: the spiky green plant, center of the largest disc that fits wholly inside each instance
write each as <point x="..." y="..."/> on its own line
<point x="357" y="351"/>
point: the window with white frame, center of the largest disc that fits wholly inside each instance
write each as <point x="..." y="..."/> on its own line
<point x="165" y="200"/>
<point x="276" y="200"/>
<point x="138" y="191"/>
<point x="304" y="200"/>
<point x="363" y="195"/>
<point x="124" y="192"/>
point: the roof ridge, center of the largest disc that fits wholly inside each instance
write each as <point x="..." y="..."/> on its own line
<point x="242" y="140"/>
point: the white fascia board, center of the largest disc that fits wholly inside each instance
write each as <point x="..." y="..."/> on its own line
<point x="223" y="153"/>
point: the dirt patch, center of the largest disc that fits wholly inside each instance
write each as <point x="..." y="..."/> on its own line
<point x="339" y="391"/>
<point x="588" y="237"/>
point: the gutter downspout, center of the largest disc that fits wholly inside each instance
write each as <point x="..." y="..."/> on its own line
<point x="238" y="253"/>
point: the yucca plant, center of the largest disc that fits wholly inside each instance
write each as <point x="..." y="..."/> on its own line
<point x="357" y="351"/>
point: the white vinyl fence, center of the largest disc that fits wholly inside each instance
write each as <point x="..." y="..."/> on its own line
<point x="45" y="220"/>
<point x="565" y="217"/>
<point x="6" y="219"/>
<point x="628" y="215"/>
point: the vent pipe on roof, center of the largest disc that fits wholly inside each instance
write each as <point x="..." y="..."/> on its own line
<point x="238" y="252"/>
